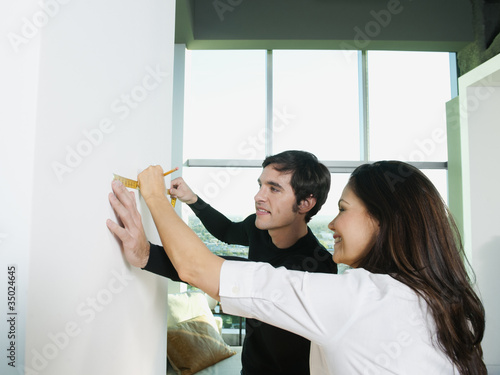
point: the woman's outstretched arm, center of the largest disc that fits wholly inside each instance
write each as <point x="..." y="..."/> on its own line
<point x="195" y="264"/>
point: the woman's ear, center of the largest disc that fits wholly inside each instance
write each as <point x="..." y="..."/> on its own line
<point x="307" y="204"/>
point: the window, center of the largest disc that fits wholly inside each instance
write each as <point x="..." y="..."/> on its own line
<point x="225" y="105"/>
<point x="243" y="105"/>
<point x="407" y="92"/>
<point x="318" y="90"/>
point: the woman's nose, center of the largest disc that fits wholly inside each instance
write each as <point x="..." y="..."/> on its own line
<point x="331" y="225"/>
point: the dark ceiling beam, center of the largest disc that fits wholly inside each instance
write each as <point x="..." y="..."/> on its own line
<point x="434" y="25"/>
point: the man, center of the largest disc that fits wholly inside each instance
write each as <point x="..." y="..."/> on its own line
<point x="292" y="188"/>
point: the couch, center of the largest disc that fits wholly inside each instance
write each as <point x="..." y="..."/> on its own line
<point x="194" y="341"/>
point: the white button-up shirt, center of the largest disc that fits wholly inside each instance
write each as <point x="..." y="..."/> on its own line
<point x="357" y="322"/>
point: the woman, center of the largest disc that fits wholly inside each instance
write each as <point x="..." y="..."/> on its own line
<point x="406" y="307"/>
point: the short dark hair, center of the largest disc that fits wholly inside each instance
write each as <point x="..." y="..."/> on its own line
<point x="309" y="176"/>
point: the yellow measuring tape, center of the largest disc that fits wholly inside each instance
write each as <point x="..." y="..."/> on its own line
<point x="133" y="184"/>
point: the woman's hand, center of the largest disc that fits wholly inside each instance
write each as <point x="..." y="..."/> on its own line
<point x="152" y="183"/>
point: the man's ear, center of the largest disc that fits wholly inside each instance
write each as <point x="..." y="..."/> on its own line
<point x="307" y="204"/>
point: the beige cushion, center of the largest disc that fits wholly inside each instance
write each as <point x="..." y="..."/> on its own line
<point x="188" y="305"/>
<point x="193" y="335"/>
<point x="194" y="345"/>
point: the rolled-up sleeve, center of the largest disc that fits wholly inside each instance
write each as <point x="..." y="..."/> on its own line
<point x="277" y="296"/>
<point x="236" y="287"/>
<point x="312" y="305"/>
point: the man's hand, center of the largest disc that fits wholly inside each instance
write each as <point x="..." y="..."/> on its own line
<point x="180" y="190"/>
<point x="131" y="234"/>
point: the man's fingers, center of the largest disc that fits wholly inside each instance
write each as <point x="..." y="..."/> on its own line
<point x="122" y="193"/>
<point x="120" y="201"/>
<point x="176" y="182"/>
<point x="117" y="230"/>
<point x="125" y="207"/>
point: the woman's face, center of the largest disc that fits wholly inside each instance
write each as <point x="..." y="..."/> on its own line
<point x="354" y="230"/>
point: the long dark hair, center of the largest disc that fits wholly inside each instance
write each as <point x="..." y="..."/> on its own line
<point x="419" y="245"/>
<point x="309" y="176"/>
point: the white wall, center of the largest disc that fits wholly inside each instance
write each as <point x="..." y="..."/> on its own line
<point x="479" y="155"/>
<point x="100" y="77"/>
<point x="18" y="94"/>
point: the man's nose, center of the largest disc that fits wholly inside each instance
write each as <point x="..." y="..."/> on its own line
<point x="259" y="197"/>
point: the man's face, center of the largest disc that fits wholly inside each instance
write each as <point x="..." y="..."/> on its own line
<point x="275" y="203"/>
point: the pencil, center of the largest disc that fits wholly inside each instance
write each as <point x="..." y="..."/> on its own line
<point x="170" y="171"/>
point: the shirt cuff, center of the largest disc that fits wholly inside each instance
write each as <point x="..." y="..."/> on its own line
<point x="236" y="287"/>
<point x="160" y="264"/>
<point x="198" y="206"/>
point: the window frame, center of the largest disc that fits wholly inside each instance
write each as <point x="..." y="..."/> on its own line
<point x="334" y="166"/>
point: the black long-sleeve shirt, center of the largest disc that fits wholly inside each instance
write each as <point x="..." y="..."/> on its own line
<point x="266" y="349"/>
